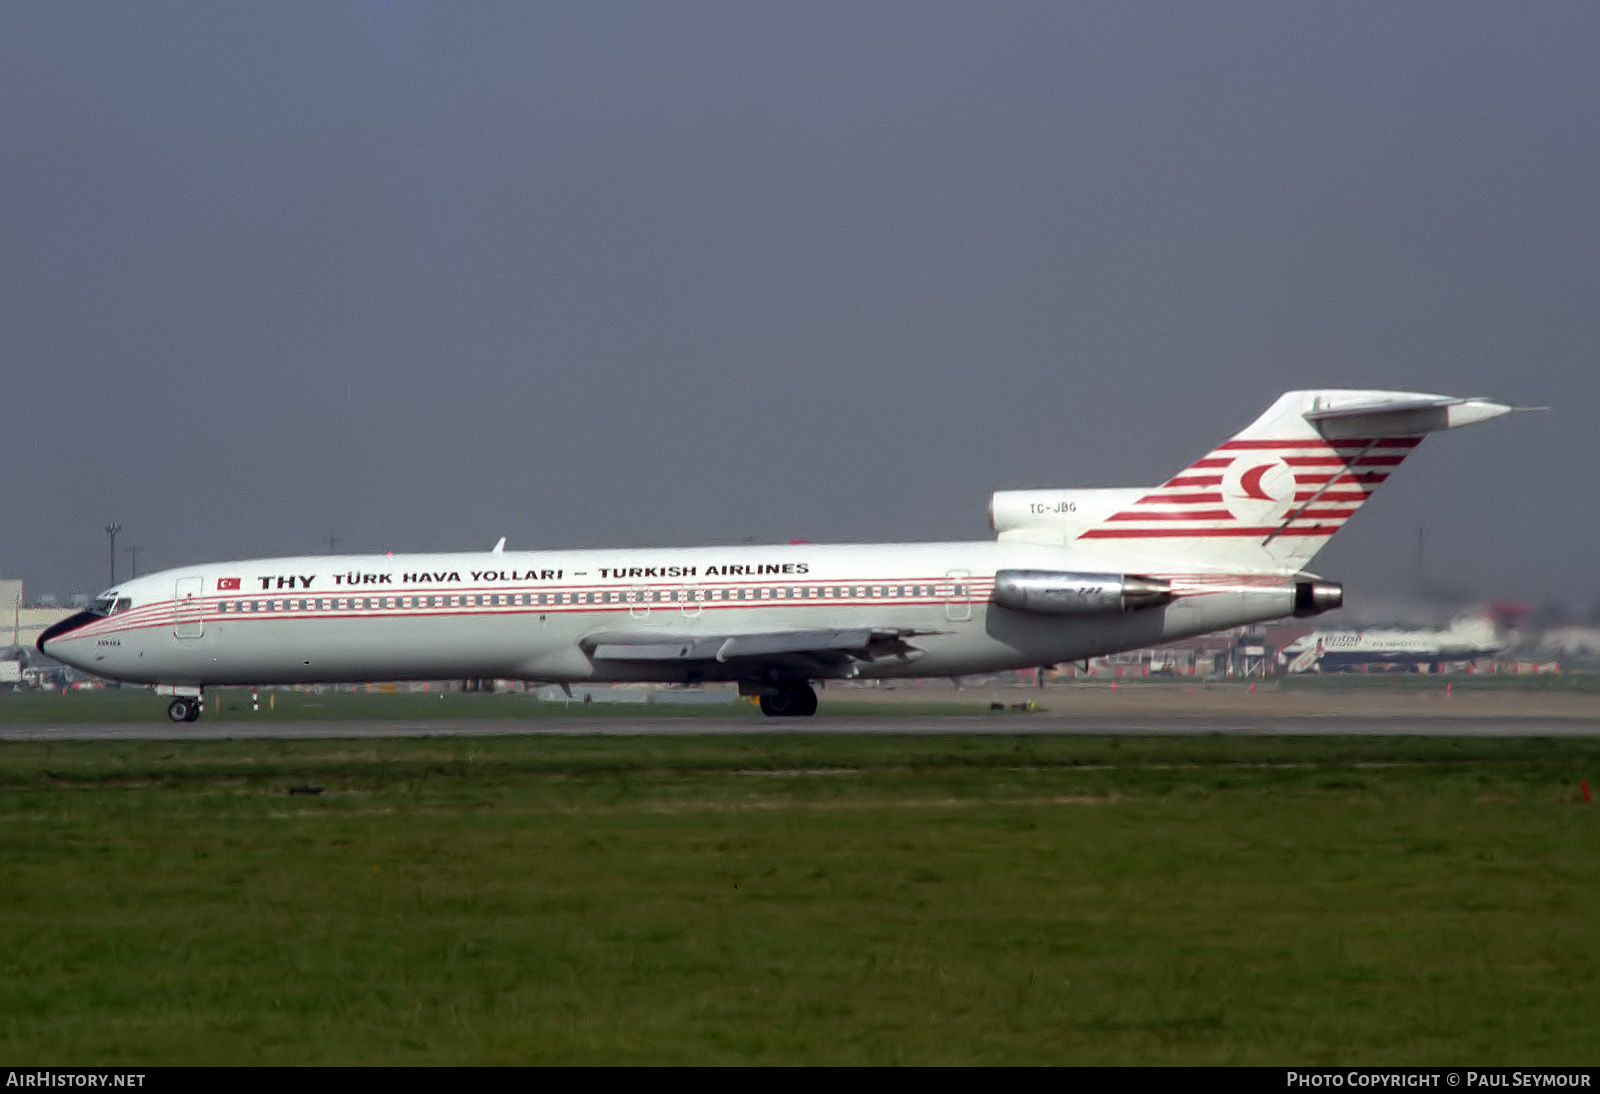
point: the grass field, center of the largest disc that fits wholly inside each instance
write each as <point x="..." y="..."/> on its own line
<point x="772" y="899"/>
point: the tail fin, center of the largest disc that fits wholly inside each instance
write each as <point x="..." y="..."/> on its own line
<point x="1271" y="496"/>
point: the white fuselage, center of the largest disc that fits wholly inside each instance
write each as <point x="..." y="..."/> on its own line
<point x="538" y="615"/>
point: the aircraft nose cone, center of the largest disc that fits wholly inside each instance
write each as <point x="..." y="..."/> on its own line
<point x="60" y="630"/>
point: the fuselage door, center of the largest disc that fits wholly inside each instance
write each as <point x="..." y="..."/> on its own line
<point x="638" y="598"/>
<point x="958" y="596"/>
<point x="690" y="599"/>
<point x="187" y="608"/>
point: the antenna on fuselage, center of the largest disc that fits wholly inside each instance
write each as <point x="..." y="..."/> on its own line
<point x="498" y="547"/>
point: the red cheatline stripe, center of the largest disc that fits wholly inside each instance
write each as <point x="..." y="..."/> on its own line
<point x="564" y="609"/>
<point x="163" y="613"/>
<point x="1182" y="499"/>
<point x="1335" y="461"/>
<point x="1198" y="533"/>
<point x="1194" y="480"/>
<point x="1210" y="461"/>
<point x="1354" y="442"/>
<point x="1319" y="514"/>
<point x="1172" y="514"/>
<point x="168" y="609"/>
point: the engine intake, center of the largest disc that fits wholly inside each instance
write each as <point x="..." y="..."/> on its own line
<point x="1056" y="592"/>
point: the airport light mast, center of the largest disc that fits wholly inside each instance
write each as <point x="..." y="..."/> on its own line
<point x="111" y="530"/>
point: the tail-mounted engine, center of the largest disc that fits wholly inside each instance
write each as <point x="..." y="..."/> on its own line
<point x="1316" y="597"/>
<point x="1056" y="592"/>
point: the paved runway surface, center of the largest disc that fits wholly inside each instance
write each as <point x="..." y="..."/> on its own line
<point x="1331" y="725"/>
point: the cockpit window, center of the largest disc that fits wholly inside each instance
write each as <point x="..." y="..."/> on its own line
<point x="121" y="604"/>
<point x="109" y="605"/>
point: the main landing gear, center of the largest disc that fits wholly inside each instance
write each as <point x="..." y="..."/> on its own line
<point x="789" y="701"/>
<point x="184" y="709"/>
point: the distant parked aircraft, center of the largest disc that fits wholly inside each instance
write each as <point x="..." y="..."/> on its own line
<point x="1466" y="639"/>
<point x="1072" y="574"/>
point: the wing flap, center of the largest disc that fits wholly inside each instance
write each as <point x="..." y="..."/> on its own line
<point x="694" y="649"/>
<point x="862" y="644"/>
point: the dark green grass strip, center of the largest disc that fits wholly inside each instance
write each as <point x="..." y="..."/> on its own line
<point x="780" y="899"/>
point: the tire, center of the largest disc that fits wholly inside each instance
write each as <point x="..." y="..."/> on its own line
<point x="792" y="701"/>
<point x="179" y="711"/>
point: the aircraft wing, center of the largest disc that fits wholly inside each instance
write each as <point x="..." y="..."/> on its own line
<point x="835" y="648"/>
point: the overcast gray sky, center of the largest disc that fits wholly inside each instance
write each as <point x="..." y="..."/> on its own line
<point x="421" y="275"/>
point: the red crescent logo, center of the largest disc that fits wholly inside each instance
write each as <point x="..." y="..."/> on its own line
<point x="1250" y="482"/>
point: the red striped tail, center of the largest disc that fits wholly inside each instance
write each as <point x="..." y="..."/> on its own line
<point x="1269" y="498"/>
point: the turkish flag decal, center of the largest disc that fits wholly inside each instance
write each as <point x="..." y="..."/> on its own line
<point x="227" y="584"/>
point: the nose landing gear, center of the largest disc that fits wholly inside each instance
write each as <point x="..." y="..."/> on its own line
<point x="184" y="709"/>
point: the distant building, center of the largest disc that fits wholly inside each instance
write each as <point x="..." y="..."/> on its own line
<point x="20" y="625"/>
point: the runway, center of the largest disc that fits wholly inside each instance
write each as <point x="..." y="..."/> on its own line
<point x="1356" y="725"/>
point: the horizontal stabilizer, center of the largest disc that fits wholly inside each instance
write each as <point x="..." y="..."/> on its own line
<point x="1399" y="415"/>
<point x="1269" y="497"/>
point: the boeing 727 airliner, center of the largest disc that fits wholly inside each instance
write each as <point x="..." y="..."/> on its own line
<point x="1071" y="574"/>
